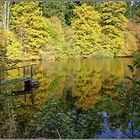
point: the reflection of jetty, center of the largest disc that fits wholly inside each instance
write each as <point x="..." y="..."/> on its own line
<point x="29" y="82"/>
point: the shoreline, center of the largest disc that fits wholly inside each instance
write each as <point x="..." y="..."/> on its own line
<point x="17" y="61"/>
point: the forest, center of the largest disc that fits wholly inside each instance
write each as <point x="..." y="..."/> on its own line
<point x="65" y="30"/>
<point x="70" y="70"/>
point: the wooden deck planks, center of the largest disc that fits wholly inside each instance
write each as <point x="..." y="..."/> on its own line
<point x="23" y="79"/>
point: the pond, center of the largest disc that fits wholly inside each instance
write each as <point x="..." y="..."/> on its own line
<point x="75" y="99"/>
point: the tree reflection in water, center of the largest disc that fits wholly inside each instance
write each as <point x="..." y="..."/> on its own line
<point x="69" y="104"/>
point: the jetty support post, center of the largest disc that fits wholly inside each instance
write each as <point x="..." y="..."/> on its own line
<point x="24" y="71"/>
<point x="31" y="71"/>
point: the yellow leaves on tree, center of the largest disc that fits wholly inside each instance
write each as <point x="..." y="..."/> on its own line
<point x="87" y="30"/>
<point x="27" y="22"/>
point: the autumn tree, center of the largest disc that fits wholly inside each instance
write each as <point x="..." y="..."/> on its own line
<point x="87" y="30"/>
<point x="28" y="24"/>
<point x="113" y="22"/>
<point x="2" y="47"/>
<point x="13" y="46"/>
<point x="56" y="41"/>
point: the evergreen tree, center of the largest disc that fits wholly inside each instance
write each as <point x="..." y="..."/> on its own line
<point x="62" y="10"/>
<point x="54" y="9"/>
<point x="138" y="12"/>
<point x="87" y="30"/>
<point x="133" y="10"/>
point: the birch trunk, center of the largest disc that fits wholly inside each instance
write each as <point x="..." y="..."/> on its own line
<point x="6" y="15"/>
<point x="4" y="22"/>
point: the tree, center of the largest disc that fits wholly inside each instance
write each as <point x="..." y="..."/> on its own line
<point x="2" y="49"/>
<point x="54" y="9"/>
<point x="133" y="10"/>
<point x="28" y="24"/>
<point x="87" y="30"/>
<point x="138" y="12"/>
<point x="69" y="14"/>
<point x="130" y="46"/>
<point x="121" y="101"/>
<point x="14" y="48"/>
<point x="62" y="10"/>
<point x="4" y="14"/>
<point x="1" y="14"/>
<point x="113" y="22"/>
<point x="56" y="41"/>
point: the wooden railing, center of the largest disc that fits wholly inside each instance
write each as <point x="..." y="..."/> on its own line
<point x="24" y="76"/>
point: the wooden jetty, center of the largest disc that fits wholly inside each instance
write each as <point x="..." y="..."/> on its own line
<point x="28" y="80"/>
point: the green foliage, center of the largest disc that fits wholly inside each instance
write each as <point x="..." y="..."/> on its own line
<point x="58" y="122"/>
<point x="133" y="10"/>
<point x="54" y="9"/>
<point x="108" y="86"/>
<point x="138" y="12"/>
<point x="62" y="10"/>
<point x="8" y="125"/>
<point x="56" y="42"/>
<point x="69" y="14"/>
<point x="123" y="103"/>
<point x="70" y="42"/>
<point x="87" y="30"/>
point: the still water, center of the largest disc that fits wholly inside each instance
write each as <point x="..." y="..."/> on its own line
<point x="67" y="102"/>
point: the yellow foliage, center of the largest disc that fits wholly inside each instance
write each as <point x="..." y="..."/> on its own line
<point x="2" y="48"/>
<point x="87" y="30"/>
<point x="86" y="89"/>
<point x="130" y="46"/>
<point x="14" y="47"/>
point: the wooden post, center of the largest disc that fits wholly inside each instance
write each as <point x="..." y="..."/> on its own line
<point x="0" y="80"/>
<point x="0" y="76"/>
<point x="24" y="72"/>
<point x="32" y="98"/>
<point x="27" y="85"/>
<point x="31" y="71"/>
<point x="25" y="98"/>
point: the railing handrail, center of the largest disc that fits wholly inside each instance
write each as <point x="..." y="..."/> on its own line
<point x="24" y="71"/>
<point x="21" y="67"/>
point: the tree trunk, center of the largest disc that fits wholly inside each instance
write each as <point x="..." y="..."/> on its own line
<point x="6" y="15"/>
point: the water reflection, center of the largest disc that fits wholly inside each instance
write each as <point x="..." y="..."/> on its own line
<point x="88" y="75"/>
<point x="66" y="103"/>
